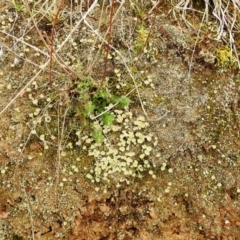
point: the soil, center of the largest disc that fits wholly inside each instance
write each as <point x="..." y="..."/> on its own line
<point x="193" y="108"/>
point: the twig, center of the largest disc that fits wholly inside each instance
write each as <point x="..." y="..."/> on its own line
<point x="24" y="42"/>
<point x="49" y="45"/>
<point x="108" y="41"/>
<point x="59" y="149"/>
<point x="115" y="15"/>
<point x="51" y="49"/>
<point x="155" y="6"/>
<point x="193" y="52"/>
<point x="30" y="212"/>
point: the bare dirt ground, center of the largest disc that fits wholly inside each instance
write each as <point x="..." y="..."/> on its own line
<point x="53" y="184"/>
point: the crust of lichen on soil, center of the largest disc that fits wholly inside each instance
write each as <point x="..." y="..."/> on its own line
<point x="189" y="186"/>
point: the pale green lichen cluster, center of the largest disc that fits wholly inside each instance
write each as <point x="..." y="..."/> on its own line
<point x="125" y="152"/>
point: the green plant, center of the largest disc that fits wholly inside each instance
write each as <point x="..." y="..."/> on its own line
<point x="97" y="133"/>
<point x="141" y="39"/>
<point x="137" y="10"/>
<point x="225" y="58"/>
<point x="92" y="99"/>
<point x="17" y="5"/>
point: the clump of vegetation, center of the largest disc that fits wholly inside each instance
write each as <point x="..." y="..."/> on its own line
<point x="141" y="39"/>
<point x="226" y="59"/>
<point x="91" y="99"/>
<point x="226" y="15"/>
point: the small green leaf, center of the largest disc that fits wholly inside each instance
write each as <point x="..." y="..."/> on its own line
<point x="123" y="102"/>
<point x="97" y="134"/>
<point x="88" y="109"/>
<point x="107" y="119"/>
<point x="104" y="94"/>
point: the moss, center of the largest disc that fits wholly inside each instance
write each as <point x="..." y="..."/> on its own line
<point x="16" y="237"/>
<point x="142" y="36"/>
<point x="226" y="59"/>
<point x="158" y="100"/>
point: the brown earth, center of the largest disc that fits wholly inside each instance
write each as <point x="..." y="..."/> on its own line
<point x="193" y="113"/>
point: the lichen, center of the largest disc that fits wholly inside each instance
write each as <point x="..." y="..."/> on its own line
<point x="141" y="39"/>
<point x="225" y="58"/>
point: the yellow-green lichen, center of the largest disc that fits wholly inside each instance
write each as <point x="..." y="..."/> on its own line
<point x="226" y="59"/>
<point x="141" y="39"/>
